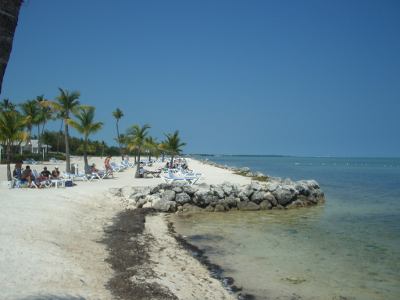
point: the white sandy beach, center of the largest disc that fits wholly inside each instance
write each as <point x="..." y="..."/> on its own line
<point x="49" y="239"/>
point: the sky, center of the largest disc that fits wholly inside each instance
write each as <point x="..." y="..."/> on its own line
<point x="300" y="78"/>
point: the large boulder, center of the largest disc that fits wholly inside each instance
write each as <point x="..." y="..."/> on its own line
<point x="189" y="207"/>
<point x="265" y="204"/>
<point x="272" y="186"/>
<point x="244" y="170"/>
<point x="162" y="205"/>
<point x="219" y="192"/>
<point x="248" y="206"/>
<point x="227" y="188"/>
<point x="128" y="191"/>
<point x="114" y="191"/>
<point x="284" y="194"/>
<point x="268" y="196"/>
<point x="242" y="196"/>
<point x="203" y="197"/>
<point x="145" y="190"/>
<point x="154" y="189"/>
<point x="255" y="185"/>
<point x="294" y="204"/>
<point x="168" y="195"/>
<point x="257" y="197"/>
<point x="182" y="198"/>
<point x="232" y="201"/>
<point x="237" y="189"/>
<point x="190" y="189"/>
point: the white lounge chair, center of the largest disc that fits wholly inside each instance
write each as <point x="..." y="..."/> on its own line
<point x="172" y="178"/>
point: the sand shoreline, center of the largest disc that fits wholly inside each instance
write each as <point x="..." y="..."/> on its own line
<point x="50" y="240"/>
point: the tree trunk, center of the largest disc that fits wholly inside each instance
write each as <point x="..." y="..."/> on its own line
<point x="9" y="11"/>
<point x="137" y="174"/>
<point x="39" y="141"/>
<point x="85" y="159"/>
<point x="67" y="159"/>
<point x="9" y="177"/>
<point x="119" y="143"/>
<point x="58" y="138"/>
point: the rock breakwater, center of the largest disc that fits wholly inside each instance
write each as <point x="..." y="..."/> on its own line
<point x="178" y="196"/>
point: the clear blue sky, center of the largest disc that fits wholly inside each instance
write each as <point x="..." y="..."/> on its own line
<point x="302" y="78"/>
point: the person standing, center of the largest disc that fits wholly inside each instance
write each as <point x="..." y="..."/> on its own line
<point x="107" y="165"/>
<point x="18" y="170"/>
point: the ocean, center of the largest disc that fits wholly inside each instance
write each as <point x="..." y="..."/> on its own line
<point x="347" y="248"/>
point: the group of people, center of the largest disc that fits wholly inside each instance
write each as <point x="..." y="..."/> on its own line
<point x="27" y="174"/>
<point x="176" y="164"/>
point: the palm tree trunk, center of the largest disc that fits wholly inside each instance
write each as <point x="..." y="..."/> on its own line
<point x="119" y="143"/>
<point x="39" y="141"/>
<point x="58" y="138"/>
<point x="137" y="175"/>
<point x="9" y="178"/>
<point x="67" y="159"/>
<point x="9" y="12"/>
<point x="85" y="157"/>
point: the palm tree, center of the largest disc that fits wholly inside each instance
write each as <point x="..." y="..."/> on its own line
<point x="11" y="130"/>
<point x="173" y="144"/>
<point x="7" y="105"/>
<point x="152" y="142"/>
<point x="66" y="103"/>
<point x="44" y="114"/>
<point x="30" y="108"/>
<point x="85" y="126"/>
<point x="103" y="144"/>
<point x="136" y="138"/>
<point x="60" y="115"/>
<point x="118" y="114"/>
<point x="163" y="146"/>
<point x="9" y="11"/>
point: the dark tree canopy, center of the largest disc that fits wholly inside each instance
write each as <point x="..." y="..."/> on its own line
<point x="9" y="12"/>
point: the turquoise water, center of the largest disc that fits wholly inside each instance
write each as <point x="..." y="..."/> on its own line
<point x="348" y="247"/>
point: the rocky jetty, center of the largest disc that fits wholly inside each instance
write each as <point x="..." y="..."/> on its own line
<point x="178" y="196"/>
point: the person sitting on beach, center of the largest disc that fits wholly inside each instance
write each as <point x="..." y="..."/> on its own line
<point x="167" y="165"/>
<point x="185" y="166"/>
<point x="55" y="174"/>
<point x="28" y="176"/>
<point x="45" y="174"/>
<point x="143" y="171"/>
<point x="94" y="170"/>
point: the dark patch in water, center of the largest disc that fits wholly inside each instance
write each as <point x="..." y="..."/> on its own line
<point x="215" y="270"/>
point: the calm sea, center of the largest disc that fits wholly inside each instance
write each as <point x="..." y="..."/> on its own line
<point x="348" y="247"/>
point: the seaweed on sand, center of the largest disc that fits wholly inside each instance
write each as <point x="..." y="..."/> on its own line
<point x="128" y="244"/>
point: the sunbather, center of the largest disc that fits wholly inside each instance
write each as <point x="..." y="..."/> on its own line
<point x="56" y="173"/>
<point x="45" y="174"/>
<point x="27" y="175"/>
<point x="94" y="170"/>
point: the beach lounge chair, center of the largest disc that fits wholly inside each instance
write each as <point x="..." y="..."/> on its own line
<point x="85" y="177"/>
<point x="35" y="162"/>
<point x="116" y="168"/>
<point x="172" y="178"/>
<point x="126" y="163"/>
<point x="53" y="160"/>
<point x="39" y="182"/>
<point x="101" y="175"/>
<point x="188" y="173"/>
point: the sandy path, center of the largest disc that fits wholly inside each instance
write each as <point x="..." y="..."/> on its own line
<point x="49" y="239"/>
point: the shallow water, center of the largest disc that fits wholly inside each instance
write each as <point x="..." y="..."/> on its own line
<point x="347" y="247"/>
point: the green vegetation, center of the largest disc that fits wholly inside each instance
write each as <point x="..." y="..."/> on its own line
<point x="16" y="131"/>
<point x="261" y="178"/>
